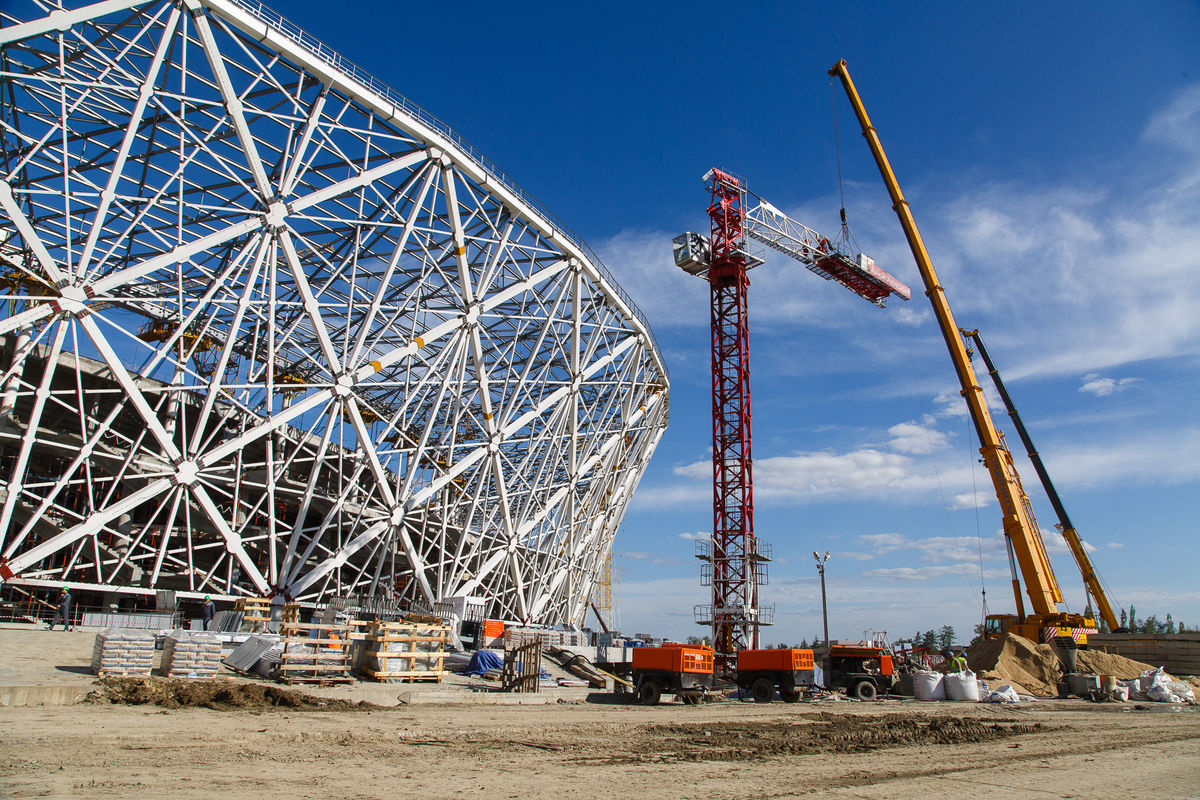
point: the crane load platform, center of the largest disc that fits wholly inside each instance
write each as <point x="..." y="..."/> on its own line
<point x="767" y="224"/>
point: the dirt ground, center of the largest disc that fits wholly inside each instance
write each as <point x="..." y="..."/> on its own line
<point x="252" y="748"/>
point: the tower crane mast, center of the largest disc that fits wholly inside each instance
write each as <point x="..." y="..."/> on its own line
<point x="735" y="558"/>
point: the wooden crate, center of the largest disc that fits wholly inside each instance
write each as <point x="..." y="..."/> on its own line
<point x="394" y="645"/>
<point x="315" y="653"/>
<point x="256" y="613"/>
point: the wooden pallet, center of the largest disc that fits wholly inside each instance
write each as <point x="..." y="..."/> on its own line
<point x="394" y="667"/>
<point x="315" y="653"/>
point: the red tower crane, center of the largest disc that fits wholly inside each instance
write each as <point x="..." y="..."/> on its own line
<point x="734" y="560"/>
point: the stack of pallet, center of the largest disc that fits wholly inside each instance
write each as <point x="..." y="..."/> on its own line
<point x="405" y="651"/>
<point x="119" y="651"/>
<point x="191" y="655"/>
<point x="315" y="653"/>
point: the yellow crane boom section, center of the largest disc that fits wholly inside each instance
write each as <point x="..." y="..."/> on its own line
<point x="1020" y="529"/>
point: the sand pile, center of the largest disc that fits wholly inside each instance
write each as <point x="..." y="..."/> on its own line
<point x="1102" y="663"/>
<point x="1031" y="668"/>
<point x="1035" y="667"/>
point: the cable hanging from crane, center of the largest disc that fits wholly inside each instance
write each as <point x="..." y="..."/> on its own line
<point x="845" y="237"/>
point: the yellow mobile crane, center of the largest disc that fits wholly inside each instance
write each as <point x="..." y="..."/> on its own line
<point x="1091" y="580"/>
<point x="1021" y="533"/>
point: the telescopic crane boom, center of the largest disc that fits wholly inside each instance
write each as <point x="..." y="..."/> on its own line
<point x="1090" y="579"/>
<point x="1021" y="533"/>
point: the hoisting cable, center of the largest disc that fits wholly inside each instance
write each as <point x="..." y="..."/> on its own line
<point x="978" y="531"/>
<point x="845" y="237"/>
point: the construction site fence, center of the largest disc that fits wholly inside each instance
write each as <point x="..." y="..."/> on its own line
<point x="1177" y="653"/>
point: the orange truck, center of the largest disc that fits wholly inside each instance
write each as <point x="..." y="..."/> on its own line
<point x="761" y="672"/>
<point x="685" y="670"/>
<point x="862" y="670"/>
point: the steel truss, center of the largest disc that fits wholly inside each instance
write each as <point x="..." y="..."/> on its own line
<point x="271" y="329"/>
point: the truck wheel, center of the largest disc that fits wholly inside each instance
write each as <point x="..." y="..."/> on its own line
<point x="649" y="692"/>
<point x="865" y="690"/>
<point x="790" y="695"/>
<point x="762" y="690"/>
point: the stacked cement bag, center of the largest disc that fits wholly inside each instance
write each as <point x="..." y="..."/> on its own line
<point x="961" y="686"/>
<point x="188" y="654"/>
<point x="119" y="651"/>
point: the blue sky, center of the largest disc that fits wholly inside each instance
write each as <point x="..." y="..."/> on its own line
<point x="1051" y="153"/>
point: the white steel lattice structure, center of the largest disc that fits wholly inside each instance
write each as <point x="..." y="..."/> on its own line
<point x="269" y="329"/>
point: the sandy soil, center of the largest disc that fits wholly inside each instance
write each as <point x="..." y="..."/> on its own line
<point x="600" y="750"/>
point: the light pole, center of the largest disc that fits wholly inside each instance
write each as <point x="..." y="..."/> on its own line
<point x="824" y="616"/>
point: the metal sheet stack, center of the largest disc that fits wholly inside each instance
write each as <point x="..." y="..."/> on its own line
<point x="120" y="651"/>
<point x="187" y="654"/>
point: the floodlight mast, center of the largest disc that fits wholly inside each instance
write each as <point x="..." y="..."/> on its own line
<point x="735" y="559"/>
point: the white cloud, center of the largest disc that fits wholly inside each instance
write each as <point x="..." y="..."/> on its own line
<point x="650" y="558"/>
<point x="1176" y="125"/>
<point x="701" y="536"/>
<point x="1101" y="387"/>
<point x="870" y="473"/>
<point x="909" y="574"/>
<point x="915" y="439"/>
<point x="978" y="499"/>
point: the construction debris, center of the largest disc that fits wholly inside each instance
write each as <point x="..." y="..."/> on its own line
<point x="1035" y="669"/>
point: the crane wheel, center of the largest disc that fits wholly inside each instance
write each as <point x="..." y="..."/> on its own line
<point x="865" y="690"/>
<point x="762" y="690"/>
<point x="649" y="692"/>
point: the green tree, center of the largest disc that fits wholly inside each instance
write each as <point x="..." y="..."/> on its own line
<point x="929" y="640"/>
<point x="1170" y="624"/>
<point x="1124" y="619"/>
<point x="978" y="631"/>
<point x="945" y="637"/>
<point x="1133" y="625"/>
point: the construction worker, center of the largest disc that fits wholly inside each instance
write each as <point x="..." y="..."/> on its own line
<point x="959" y="662"/>
<point x="207" y="611"/>
<point x="63" y="612"/>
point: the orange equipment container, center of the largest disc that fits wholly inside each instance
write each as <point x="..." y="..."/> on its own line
<point x="672" y="657"/>
<point x="493" y="628"/>
<point x="777" y="660"/>
<point x="865" y="652"/>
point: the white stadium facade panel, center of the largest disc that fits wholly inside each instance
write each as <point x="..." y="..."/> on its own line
<point x="269" y="329"/>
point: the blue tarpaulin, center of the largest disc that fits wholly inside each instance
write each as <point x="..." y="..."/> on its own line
<point x="482" y="661"/>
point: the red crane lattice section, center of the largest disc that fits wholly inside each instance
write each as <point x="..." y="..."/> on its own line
<point x="734" y="585"/>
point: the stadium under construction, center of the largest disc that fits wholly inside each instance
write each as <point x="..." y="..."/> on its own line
<point x="270" y="329"/>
